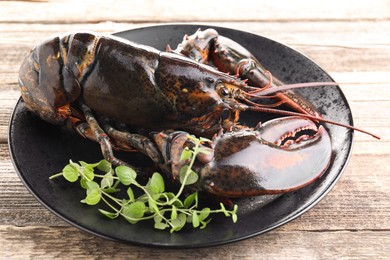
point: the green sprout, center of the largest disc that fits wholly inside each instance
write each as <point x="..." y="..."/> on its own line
<point x="167" y="209"/>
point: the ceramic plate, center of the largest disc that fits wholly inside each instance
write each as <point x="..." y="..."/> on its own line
<point x="39" y="150"/>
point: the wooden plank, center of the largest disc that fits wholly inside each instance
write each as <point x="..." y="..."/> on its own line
<point x="332" y="50"/>
<point x="293" y="32"/>
<point x="69" y="243"/>
<point x="349" y="40"/>
<point x="7" y="102"/>
<point x="175" y="10"/>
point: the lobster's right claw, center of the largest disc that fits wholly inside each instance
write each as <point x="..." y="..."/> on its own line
<point x="280" y="156"/>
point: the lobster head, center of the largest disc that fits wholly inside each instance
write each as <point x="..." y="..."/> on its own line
<point x="280" y="156"/>
<point x="202" y="95"/>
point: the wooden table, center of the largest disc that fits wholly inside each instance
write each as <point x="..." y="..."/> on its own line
<point x="350" y="41"/>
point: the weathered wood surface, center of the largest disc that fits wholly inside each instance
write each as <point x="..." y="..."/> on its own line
<point x="349" y="40"/>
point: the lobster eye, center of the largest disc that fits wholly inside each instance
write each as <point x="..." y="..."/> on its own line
<point x="224" y="91"/>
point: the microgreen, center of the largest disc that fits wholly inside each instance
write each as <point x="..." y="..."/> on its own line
<point x="168" y="210"/>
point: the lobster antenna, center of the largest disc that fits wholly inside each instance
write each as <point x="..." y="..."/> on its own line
<point x="290" y="113"/>
<point x="275" y="89"/>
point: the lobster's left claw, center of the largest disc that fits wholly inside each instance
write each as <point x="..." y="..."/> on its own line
<point x="278" y="157"/>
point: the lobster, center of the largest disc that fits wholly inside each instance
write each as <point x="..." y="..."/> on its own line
<point x="95" y="83"/>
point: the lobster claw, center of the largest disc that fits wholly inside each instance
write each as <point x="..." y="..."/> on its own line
<point x="279" y="156"/>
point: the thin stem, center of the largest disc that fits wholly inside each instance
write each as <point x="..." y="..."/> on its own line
<point x="117" y="201"/>
<point x="112" y="207"/>
<point x="137" y="219"/>
<point x="102" y="176"/>
<point x="56" y="175"/>
<point x="189" y="169"/>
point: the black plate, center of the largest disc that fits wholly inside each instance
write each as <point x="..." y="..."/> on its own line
<point x="39" y="150"/>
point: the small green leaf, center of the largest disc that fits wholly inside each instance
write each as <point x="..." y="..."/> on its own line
<point x="90" y="165"/>
<point x="133" y="212"/>
<point x="104" y="166"/>
<point x="108" y="214"/>
<point x="107" y="180"/>
<point x="178" y="223"/>
<point x="93" y="197"/>
<point x="188" y="202"/>
<point x="88" y="172"/>
<point x="70" y="173"/>
<point x="192" y="176"/>
<point x="111" y="190"/>
<point x="186" y="154"/>
<point x="143" y="198"/>
<point x="92" y="185"/>
<point x="153" y="206"/>
<point x="130" y="193"/>
<point x="204" y="213"/>
<point x="104" y="183"/>
<point x="82" y="163"/>
<point x="157" y="219"/>
<point x="234" y="217"/>
<point x="157" y="183"/>
<point x="178" y="203"/>
<point x="204" y="223"/>
<point x="224" y="210"/>
<point x="160" y="225"/>
<point x="83" y="183"/>
<point x="191" y="179"/>
<point x="125" y="174"/>
<point x="183" y="170"/>
<point x="195" y="220"/>
<point x="76" y="165"/>
<point x="158" y="197"/>
<point x="169" y="195"/>
<point x="173" y="212"/>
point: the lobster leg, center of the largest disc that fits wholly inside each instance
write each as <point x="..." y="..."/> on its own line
<point x="100" y="136"/>
<point x="128" y="141"/>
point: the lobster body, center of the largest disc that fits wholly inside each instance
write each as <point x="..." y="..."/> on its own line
<point x="132" y="83"/>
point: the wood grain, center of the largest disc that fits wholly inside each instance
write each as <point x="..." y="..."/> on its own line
<point x="350" y="41"/>
<point x="68" y="242"/>
<point x="175" y="10"/>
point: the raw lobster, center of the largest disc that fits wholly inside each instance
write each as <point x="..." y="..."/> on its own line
<point x="93" y="82"/>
